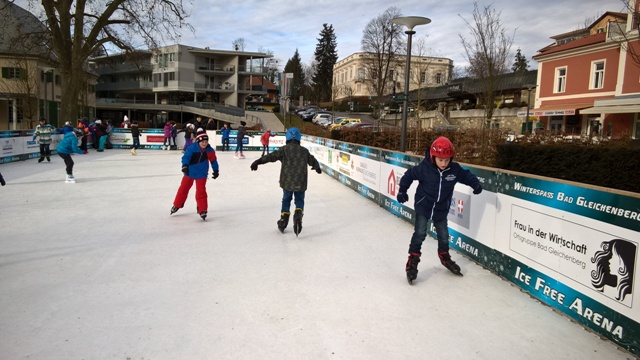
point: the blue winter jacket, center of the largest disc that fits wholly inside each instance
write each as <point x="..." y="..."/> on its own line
<point x="225" y="132"/>
<point x="69" y="144"/>
<point x="198" y="161"/>
<point x="435" y="187"/>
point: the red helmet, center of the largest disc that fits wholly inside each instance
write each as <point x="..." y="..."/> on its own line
<point x="442" y="148"/>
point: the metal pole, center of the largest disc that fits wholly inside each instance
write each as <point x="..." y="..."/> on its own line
<point x="403" y="139"/>
<point x="526" y="123"/>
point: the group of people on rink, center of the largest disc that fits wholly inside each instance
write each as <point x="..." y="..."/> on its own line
<point x="436" y="175"/>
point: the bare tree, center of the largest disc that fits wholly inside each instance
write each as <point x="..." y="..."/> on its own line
<point x="487" y="52"/>
<point x="628" y="34"/>
<point x="78" y="29"/>
<point x="271" y="64"/>
<point x="238" y="44"/>
<point x="382" y="41"/>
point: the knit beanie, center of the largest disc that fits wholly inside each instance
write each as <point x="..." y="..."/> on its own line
<point x="202" y="136"/>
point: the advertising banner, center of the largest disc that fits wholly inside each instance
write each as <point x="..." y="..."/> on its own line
<point x="574" y="248"/>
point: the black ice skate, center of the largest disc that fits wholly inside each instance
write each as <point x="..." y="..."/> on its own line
<point x="173" y="210"/>
<point x="297" y="221"/>
<point x="445" y="259"/>
<point x="203" y="214"/>
<point x="412" y="267"/>
<point x="284" y="221"/>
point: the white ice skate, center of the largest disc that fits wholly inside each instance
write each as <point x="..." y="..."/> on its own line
<point x="70" y="179"/>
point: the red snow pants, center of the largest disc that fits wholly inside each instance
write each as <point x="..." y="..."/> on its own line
<point x="201" y="193"/>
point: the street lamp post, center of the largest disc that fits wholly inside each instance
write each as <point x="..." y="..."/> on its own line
<point x="410" y="22"/>
<point x="526" y="122"/>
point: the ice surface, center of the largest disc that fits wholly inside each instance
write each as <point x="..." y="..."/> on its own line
<point x="99" y="270"/>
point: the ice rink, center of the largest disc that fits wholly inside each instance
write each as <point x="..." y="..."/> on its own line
<point x="99" y="270"/>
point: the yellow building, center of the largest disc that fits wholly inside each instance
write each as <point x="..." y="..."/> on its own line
<point x="354" y="75"/>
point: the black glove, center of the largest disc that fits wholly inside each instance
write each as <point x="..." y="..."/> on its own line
<point x="254" y="165"/>
<point x="477" y="189"/>
<point x="185" y="170"/>
<point x="402" y="197"/>
<point x="216" y="173"/>
<point x="318" y="170"/>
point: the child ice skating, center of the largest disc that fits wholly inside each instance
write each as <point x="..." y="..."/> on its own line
<point x="437" y="175"/>
<point x="195" y="166"/>
<point x="264" y="139"/>
<point x="293" y="176"/>
<point x="135" y="135"/>
<point x="43" y="133"/>
<point x="67" y="146"/>
<point x="242" y="131"/>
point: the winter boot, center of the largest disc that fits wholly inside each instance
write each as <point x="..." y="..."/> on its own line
<point x="297" y="221"/>
<point x="40" y="160"/>
<point x="284" y="221"/>
<point x="203" y="214"/>
<point x="412" y="267"/>
<point x="174" y="210"/>
<point x="48" y="159"/>
<point x="445" y="259"/>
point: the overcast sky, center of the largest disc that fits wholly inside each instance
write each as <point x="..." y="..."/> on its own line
<point x="284" y="25"/>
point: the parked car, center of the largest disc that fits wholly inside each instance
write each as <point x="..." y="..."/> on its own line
<point x="320" y="116"/>
<point x="343" y="122"/>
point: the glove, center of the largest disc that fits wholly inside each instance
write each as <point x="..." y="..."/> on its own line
<point x="254" y="165"/>
<point x="477" y="189"/>
<point x="402" y="197"/>
<point x="216" y="173"/>
<point x="318" y="170"/>
<point x="185" y="170"/>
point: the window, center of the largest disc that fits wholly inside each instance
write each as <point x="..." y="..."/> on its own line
<point x="391" y="74"/>
<point x="12" y="73"/>
<point x="597" y="74"/>
<point x="438" y="78"/>
<point x="359" y="88"/>
<point x="360" y="75"/>
<point x="423" y="76"/>
<point x="561" y="80"/>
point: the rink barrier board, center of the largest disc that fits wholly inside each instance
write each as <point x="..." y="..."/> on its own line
<point x="508" y="206"/>
<point x="19" y="145"/>
<point x="486" y="228"/>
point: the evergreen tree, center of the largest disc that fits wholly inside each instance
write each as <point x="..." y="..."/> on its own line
<point x="521" y="63"/>
<point x="294" y="65"/>
<point x="326" y="57"/>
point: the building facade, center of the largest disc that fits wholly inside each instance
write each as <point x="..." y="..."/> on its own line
<point x="588" y="79"/>
<point x="220" y="81"/>
<point x="352" y="75"/>
<point x="29" y="82"/>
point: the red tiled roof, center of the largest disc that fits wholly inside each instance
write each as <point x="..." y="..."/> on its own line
<point x="257" y="80"/>
<point x="585" y="41"/>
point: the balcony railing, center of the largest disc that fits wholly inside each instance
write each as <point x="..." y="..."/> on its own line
<point x="252" y="69"/>
<point x="216" y="86"/>
<point x="225" y="69"/>
<point x="125" y="85"/>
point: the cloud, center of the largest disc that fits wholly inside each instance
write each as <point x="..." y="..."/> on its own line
<point x="284" y="26"/>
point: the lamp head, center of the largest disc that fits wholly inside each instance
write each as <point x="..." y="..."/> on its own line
<point x="411" y="21"/>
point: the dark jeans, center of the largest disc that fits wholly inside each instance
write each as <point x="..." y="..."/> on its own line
<point x="83" y="144"/>
<point x="136" y="142"/>
<point x="286" y="200"/>
<point x="239" y="147"/>
<point x="68" y="161"/>
<point x="420" y="233"/>
<point x="225" y="144"/>
<point x="265" y="148"/>
<point x="45" y="151"/>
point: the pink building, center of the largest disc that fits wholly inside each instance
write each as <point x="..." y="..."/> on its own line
<point x="589" y="80"/>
